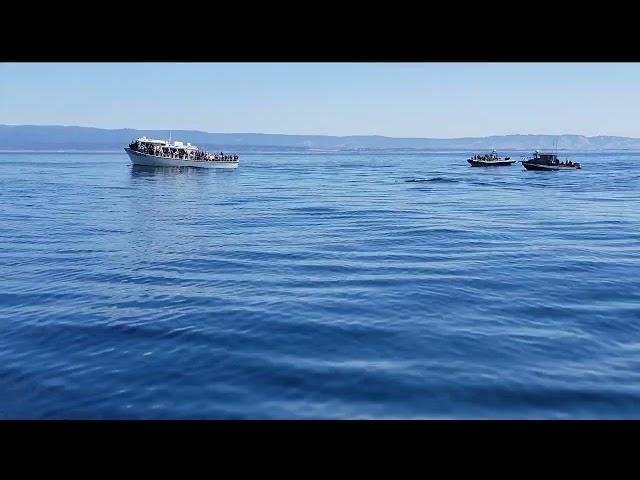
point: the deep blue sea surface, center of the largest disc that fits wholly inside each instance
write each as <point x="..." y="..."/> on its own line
<point x="319" y="286"/>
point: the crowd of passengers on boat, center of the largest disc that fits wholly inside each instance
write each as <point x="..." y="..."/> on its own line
<point x="568" y="163"/>
<point x="488" y="157"/>
<point x="181" y="154"/>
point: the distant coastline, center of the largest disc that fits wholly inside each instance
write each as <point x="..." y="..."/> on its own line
<point x="68" y="139"/>
<point x="370" y="152"/>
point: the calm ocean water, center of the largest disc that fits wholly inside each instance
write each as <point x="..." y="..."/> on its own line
<point x="319" y="286"/>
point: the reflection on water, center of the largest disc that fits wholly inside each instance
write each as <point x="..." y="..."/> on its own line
<point x="148" y="171"/>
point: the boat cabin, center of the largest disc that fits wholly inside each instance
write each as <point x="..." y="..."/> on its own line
<point x="544" y="158"/>
<point x="163" y="147"/>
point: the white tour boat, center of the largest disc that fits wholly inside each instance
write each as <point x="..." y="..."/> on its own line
<point x="162" y="153"/>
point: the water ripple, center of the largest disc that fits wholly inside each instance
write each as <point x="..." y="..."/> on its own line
<point x="319" y="286"/>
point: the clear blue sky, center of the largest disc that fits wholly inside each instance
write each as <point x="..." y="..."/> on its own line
<point x="440" y="100"/>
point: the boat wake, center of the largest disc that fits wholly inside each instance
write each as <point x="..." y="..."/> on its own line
<point x="434" y="179"/>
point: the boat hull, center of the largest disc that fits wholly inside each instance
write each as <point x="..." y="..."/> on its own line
<point x="497" y="163"/>
<point x="547" y="168"/>
<point x="147" y="160"/>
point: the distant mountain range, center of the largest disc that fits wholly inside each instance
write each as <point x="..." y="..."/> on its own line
<point x="41" y="137"/>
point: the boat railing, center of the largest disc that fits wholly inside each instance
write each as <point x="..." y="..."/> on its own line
<point x="172" y="152"/>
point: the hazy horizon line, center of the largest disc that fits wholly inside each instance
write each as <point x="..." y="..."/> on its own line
<point x="316" y="134"/>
